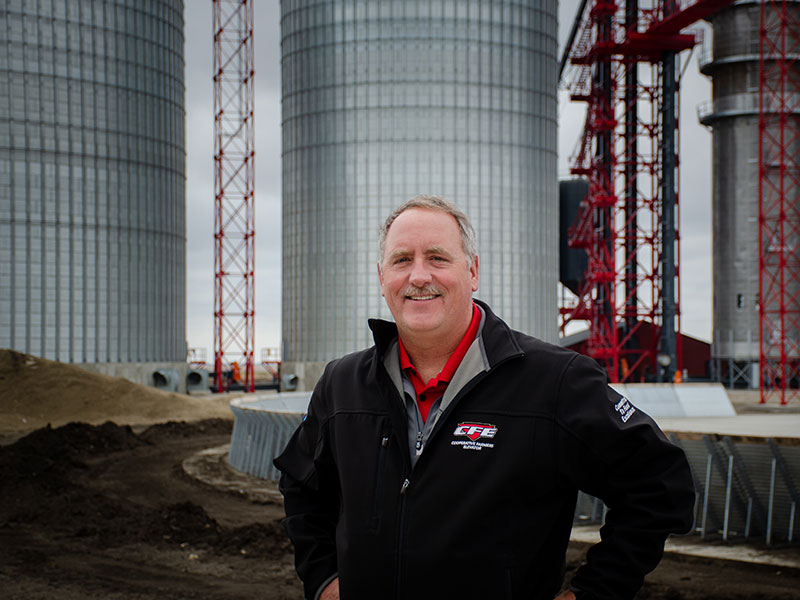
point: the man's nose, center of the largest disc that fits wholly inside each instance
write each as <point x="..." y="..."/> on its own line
<point x="420" y="274"/>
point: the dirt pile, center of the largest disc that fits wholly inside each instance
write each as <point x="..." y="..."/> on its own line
<point x="47" y="479"/>
<point x="35" y="392"/>
<point x="46" y="460"/>
<point x="99" y="511"/>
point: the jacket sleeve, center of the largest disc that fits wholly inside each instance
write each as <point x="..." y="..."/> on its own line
<point x="309" y="485"/>
<point x="612" y="450"/>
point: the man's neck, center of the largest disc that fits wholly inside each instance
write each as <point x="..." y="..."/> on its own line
<point x="429" y="360"/>
<point x="429" y="353"/>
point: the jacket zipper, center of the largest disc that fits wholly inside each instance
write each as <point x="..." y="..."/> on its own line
<point x="375" y="520"/>
<point x="443" y="417"/>
<point x="401" y="527"/>
<point x="401" y="521"/>
<point x="406" y="481"/>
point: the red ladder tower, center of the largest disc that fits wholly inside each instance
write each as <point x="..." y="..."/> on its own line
<point x="625" y="58"/>
<point x="234" y="222"/>
<point x="779" y="201"/>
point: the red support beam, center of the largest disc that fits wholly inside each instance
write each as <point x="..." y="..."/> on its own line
<point x="779" y="202"/>
<point x="684" y="15"/>
<point x="651" y="46"/>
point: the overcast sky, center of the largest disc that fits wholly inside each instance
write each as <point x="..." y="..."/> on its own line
<point x="695" y="190"/>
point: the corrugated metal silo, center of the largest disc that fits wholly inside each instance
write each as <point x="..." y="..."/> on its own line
<point x="385" y="100"/>
<point x="733" y="113"/>
<point x="92" y="177"/>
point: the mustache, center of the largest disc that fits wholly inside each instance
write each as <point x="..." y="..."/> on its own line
<point x="428" y="290"/>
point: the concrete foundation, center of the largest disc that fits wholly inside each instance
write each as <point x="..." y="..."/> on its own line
<point x="300" y="376"/>
<point x="172" y="375"/>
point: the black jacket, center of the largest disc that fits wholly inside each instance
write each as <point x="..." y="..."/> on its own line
<point x="488" y="508"/>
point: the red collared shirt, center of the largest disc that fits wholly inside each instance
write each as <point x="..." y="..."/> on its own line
<point x="428" y="392"/>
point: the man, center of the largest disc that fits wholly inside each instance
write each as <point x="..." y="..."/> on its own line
<point x="444" y="462"/>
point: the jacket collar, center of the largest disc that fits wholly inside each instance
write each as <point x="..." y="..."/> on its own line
<point x="497" y="338"/>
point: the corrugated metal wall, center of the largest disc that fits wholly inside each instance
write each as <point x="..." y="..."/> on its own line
<point x="92" y="177"/>
<point x="262" y="428"/>
<point x="385" y="100"/>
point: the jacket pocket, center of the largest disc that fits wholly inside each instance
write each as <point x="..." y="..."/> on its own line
<point x="380" y="474"/>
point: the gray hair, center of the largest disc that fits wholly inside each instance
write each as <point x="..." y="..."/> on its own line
<point x="469" y="241"/>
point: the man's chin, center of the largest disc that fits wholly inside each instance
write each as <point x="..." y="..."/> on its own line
<point x="420" y="325"/>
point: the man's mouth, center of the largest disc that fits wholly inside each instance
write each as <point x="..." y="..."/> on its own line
<point x="421" y="294"/>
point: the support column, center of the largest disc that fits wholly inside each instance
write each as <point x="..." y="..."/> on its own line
<point x="668" y="308"/>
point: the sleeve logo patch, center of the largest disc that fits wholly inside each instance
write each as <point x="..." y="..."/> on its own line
<point x="475" y="433"/>
<point x="625" y="409"/>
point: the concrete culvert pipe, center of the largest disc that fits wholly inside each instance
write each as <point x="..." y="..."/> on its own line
<point x="196" y="381"/>
<point x="289" y="382"/>
<point x="166" y="379"/>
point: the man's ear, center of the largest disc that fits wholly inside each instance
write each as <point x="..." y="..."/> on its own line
<point x="473" y="271"/>
<point x="380" y="277"/>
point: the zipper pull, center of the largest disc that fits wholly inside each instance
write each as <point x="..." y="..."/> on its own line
<point x="385" y="441"/>
<point x="403" y="489"/>
<point x="418" y="445"/>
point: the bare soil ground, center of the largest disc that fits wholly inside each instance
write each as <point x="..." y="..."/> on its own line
<point x="92" y="510"/>
<point x="101" y="512"/>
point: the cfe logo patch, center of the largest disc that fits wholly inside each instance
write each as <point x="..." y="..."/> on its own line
<point x="475" y="430"/>
<point x="475" y="434"/>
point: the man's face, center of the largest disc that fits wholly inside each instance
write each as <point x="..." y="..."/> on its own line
<point x="425" y="277"/>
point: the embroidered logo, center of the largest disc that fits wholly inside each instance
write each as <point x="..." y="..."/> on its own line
<point x="625" y="409"/>
<point x="474" y="432"/>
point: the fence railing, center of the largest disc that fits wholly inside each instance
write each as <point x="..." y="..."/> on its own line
<point x="747" y="489"/>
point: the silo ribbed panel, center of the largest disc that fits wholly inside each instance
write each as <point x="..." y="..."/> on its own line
<point x="385" y="100"/>
<point x="92" y="178"/>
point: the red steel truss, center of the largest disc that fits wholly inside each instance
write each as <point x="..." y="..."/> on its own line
<point x="234" y="222"/>
<point x="620" y="56"/>
<point x="779" y="201"/>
